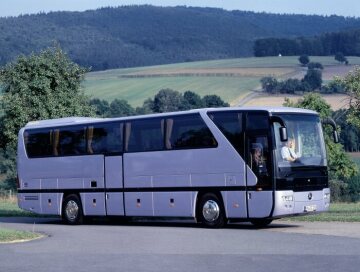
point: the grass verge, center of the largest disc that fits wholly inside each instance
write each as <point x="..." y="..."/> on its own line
<point x="10" y="235"/>
<point x="339" y="212"/>
<point x="9" y="208"/>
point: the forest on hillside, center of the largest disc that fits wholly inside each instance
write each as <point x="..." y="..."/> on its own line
<point x="132" y="36"/>
<point x="346" y="42"/>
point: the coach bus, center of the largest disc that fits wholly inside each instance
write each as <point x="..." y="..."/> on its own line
<point x="251" y="164"/>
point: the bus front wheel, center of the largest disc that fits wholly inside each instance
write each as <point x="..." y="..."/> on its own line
<point x="72" y="212"/>
<point x="210" y="211"/>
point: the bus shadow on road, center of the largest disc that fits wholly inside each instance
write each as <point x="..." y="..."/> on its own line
<point x="141" y="222"/>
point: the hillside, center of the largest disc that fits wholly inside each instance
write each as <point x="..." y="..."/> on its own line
<point x="133" y="36"/>
<point x="231" y="79"/>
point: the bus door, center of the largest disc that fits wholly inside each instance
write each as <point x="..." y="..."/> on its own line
<point x="258" y="170"/>
<point x="114" y="185"/>
<point x="107" y="139"/>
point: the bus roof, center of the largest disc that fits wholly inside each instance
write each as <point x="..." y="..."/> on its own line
<point x="86" y="120"/>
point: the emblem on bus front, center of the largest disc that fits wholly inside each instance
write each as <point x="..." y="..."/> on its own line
<point x="310" y="196"/>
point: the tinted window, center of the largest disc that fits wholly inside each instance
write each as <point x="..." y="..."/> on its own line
<point x="71" y="141"/>
<point x="38" y="143"/>
<point x="188" y="131"/>
<point x="105" y="138"/>
<point x="257" y="121"/>
<point x="230" y="124"/>
<point x="144" y="135"/>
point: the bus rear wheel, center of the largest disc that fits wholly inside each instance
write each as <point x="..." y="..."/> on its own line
<point x="210" y="211"/>
<point x="72" y="212"/>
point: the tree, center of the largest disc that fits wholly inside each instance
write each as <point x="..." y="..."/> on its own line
<point x="313" y="78"/>
<point x="304" y="60"/>
<point x="269" y="84"/>
<point x="168" y="100"/>
<point x="333" y="87"/>
<point x="119" y="108"/>
<point x="214" y="101"/>
<point x="351" y="83"/>
<point x="40" y="86"/>
<point x="338" y="161"/>
<point x="193" y="100"/>
<point x="339" y="56"/>
<point x="315" y="65"/>
<point x="291" y="86"/>
<point x="102" y="107"/>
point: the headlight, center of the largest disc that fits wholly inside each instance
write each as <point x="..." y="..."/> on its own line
<point x="288" y="198"/>
<point x="327" y="196"/>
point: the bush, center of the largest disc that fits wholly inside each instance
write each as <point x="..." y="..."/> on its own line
<point x="304" y="60"/>
<point x="315" y="65"/>
<point x="354" y="188"/>
<point x="339" y="191"/>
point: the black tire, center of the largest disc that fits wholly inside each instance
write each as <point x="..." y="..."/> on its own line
<point x="261" y="223"/>
<point x="210" y="211"/>
<point x="72" y="212"/>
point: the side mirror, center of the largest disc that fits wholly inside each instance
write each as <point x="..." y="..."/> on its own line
<point x="283" y="134"/>
<point x="331" y="122"/>
<point x="335" y="136"/>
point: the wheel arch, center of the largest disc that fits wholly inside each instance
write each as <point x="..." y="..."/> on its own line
<point x="201" y="193"/>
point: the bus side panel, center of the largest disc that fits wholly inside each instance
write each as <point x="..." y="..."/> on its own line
<point x="93" y="203"/>
<point x="67" y="170"/>
<point x="235" y="204"/>
<point x="113" y="172"/>
<point x="258" y="203"/>
<point x="50" y="203"/>
<point x="139" y="204"/>
<point x="49" y="183"/>
<point x="171" y="180"/>
<point x="30" y="202"/>
<point x="180" y="170"/>
<point x="115" y="204"/>
<point x="173" y="204"/>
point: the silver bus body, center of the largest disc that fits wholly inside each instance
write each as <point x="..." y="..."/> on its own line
<point x="161" y="183"/>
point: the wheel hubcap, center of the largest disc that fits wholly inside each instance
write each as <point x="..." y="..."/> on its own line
<point x="211" y="211"/>
<point x="72" y="210"/>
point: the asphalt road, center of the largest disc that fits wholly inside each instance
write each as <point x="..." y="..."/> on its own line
<point x="139" y="246"/>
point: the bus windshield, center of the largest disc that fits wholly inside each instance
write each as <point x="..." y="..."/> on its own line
<point x="305" y="145"/>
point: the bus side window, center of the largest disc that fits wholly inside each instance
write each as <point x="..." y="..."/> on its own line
<point x="187" y="132"/>
<point x="105" y="138"/>
<point x="72" y="141"/>
<point x="38" y="143"/>
<point x="231" y="125"/>
<point x="144" y="135"/>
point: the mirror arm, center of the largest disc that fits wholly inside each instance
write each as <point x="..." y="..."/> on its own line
<point x="277" y="119"/>
<point x="331" y="122"/>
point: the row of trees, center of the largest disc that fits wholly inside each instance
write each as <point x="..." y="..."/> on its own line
<point x="166" y="100"/>
<point x="305" y="61"/>
<point x="311" y="81"/>
<point x="327" y="44"/>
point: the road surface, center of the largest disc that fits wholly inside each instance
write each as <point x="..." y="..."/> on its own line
<point x="142" y="246"/>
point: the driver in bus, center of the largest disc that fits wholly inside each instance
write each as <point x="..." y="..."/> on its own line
<point x="288" y="151"/>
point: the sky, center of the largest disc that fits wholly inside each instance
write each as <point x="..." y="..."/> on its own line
<point x="320" y="7"/>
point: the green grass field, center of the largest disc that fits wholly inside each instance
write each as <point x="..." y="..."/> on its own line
<point x="231" y="79"/>
<point x="339" y="212"/>
<point x="9" y="208"/>
<point x="10" y="235"/>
